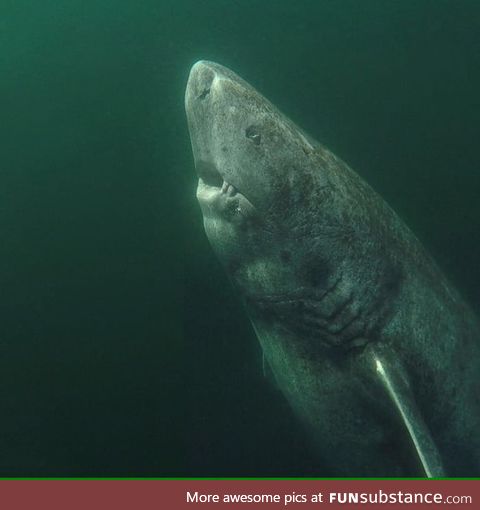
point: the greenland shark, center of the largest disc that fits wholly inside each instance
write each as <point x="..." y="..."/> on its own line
<point x="374" y="349"/>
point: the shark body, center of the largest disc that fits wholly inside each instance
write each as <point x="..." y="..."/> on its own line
<point x="374" y="349"/>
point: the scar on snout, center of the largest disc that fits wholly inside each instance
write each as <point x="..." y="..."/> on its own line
<point x="204" y="93"/>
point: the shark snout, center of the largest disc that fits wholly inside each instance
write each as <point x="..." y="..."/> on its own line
<point x="209" y="80"/>
<point x="200" y="81"/>
<point x="206" y="80"/>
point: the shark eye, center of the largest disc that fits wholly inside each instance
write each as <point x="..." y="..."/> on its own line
<point x="253" y="134"/>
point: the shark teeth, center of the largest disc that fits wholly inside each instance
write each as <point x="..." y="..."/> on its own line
<point x="228" y="189"/>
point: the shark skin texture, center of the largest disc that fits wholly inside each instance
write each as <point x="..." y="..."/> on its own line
<point x="374" y="349"/>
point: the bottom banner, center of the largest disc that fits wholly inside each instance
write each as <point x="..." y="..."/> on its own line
<point x="198" y="494"/>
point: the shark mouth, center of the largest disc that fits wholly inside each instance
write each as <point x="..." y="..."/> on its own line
<point x="210" y="176"/>
<point x="228" y="189"/>
<point x="215" y="190"/>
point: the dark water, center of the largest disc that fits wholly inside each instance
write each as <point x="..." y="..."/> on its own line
<point x="123" y="350"/>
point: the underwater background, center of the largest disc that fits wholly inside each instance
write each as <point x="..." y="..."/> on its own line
<point x="123" y="349"/>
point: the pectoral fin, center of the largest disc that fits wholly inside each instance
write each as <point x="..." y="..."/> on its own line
<point x="397" y="388"/>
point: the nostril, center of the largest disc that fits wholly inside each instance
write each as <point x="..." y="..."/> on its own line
<point x="204" y="93"/>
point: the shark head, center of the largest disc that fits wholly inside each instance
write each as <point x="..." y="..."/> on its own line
<point x="297" y="230"/>
<point x="259" y="186"/>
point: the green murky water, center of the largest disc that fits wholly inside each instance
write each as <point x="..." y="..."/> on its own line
<point x="123" y="350"/>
